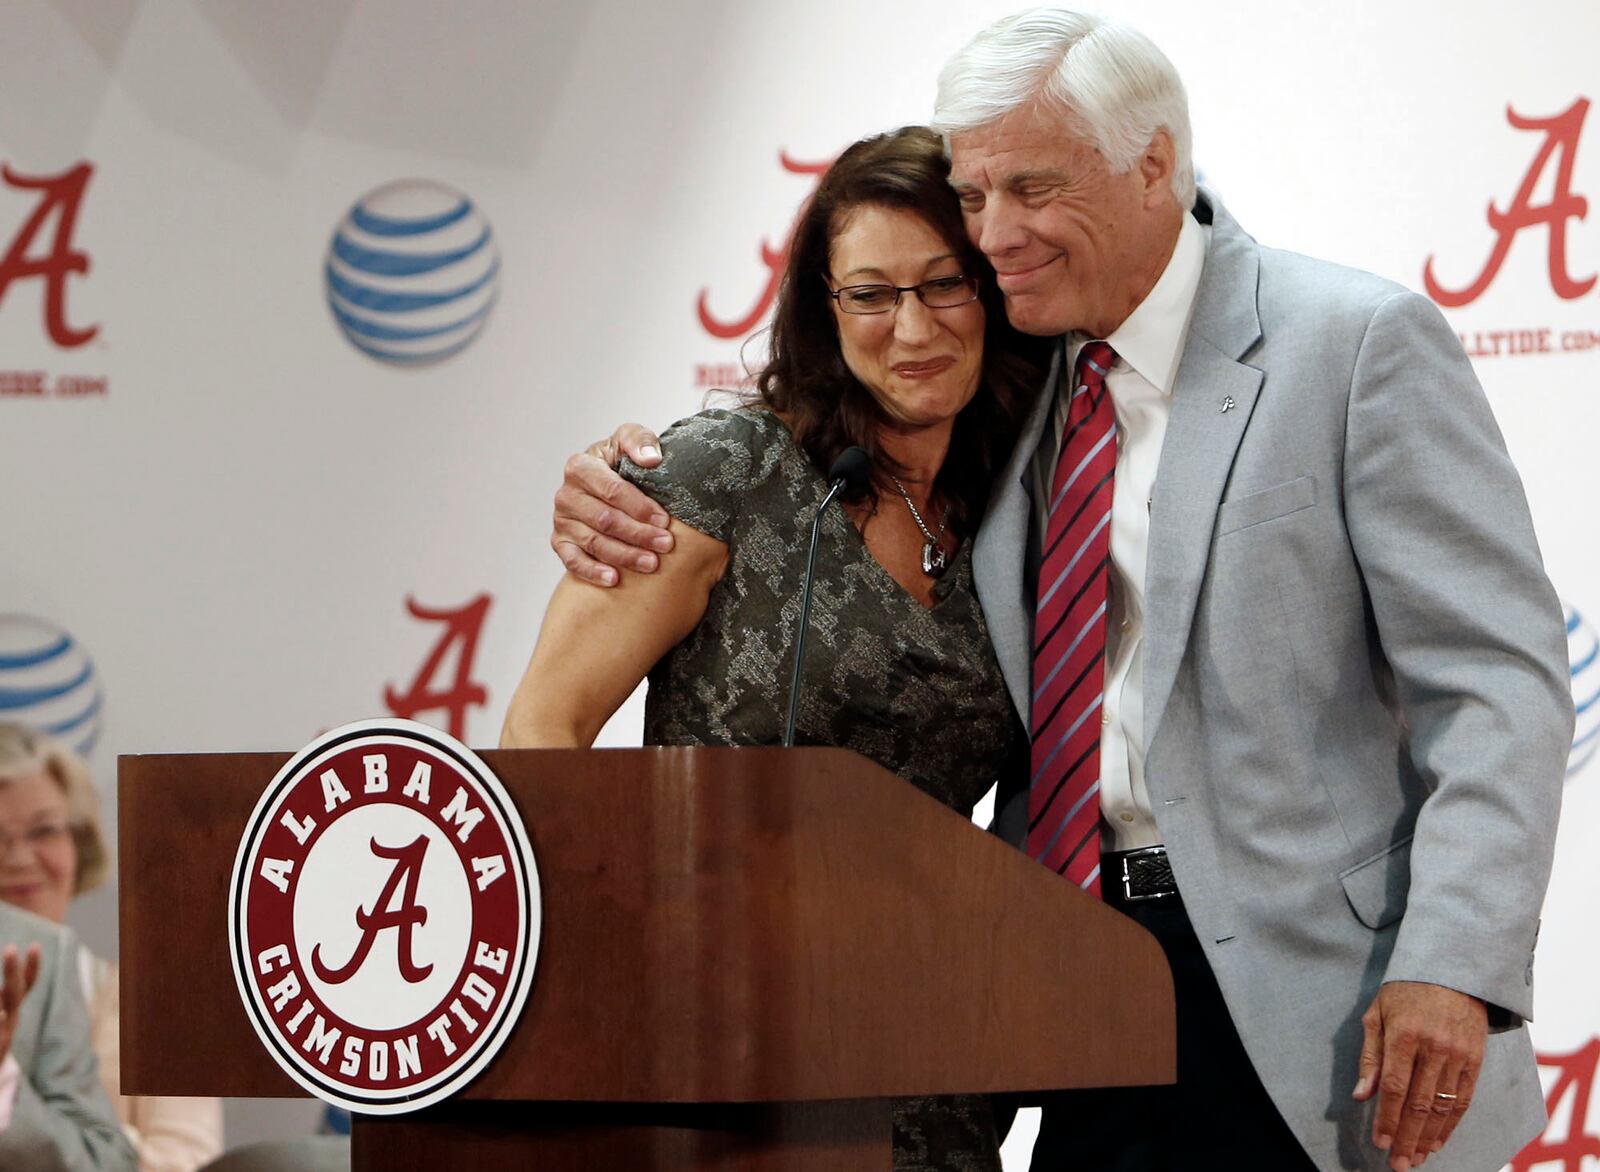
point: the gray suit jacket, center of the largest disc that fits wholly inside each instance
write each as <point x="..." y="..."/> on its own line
<point x="1356" y="694"/>
<point x="61" y="1120"/>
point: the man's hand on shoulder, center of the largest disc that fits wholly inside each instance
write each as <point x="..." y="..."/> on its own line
<point x="603" y="523"/>
<point x="1422" y="1052"/>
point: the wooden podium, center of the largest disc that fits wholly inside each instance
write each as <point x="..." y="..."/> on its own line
<point x="745" y="954"/>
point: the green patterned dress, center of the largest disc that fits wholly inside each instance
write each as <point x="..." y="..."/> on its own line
<point x="914" y="688"/>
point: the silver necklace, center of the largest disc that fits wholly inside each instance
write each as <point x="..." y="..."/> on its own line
<point x="934" y="562"/>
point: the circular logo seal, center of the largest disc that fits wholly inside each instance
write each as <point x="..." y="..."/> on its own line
<point x="384" y="916"/>
<point x="412" y="272"/>
<point x="48" y="682"/>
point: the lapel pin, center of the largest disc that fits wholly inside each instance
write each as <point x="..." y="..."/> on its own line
<point x="1227" y="404"/>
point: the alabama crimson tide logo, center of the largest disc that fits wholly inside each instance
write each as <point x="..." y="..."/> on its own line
<point x="384" y="916"/>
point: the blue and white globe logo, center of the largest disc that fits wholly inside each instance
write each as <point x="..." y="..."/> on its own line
<point x="47" y="682"/>
<point x="412" y="272"/>
<point x="1583" y="649"/>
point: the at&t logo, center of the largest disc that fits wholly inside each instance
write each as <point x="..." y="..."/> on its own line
<point x="384" y="916"/>
<point x="48" y="682"/>
<point x="412" y="272"/>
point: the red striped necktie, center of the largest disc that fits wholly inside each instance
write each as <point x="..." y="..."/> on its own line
<point x="1069" y="648"/>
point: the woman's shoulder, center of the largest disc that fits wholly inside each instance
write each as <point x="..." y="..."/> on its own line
<point x="713" y="463"/>
<point x="733" y="446"/>
<point x="731" y="429"/>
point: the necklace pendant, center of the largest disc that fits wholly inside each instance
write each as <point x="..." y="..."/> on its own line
<point x="934" y="562"/>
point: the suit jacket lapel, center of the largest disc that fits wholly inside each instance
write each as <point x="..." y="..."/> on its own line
<point x="1000" y="551"/>
<point x="1197" y="454"/>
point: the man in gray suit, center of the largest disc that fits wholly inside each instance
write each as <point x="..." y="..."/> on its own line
<point x="1328" y="670"/>
<point x="59" y="1118"/>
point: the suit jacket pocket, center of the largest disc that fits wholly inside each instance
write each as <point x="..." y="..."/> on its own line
<point x="1377" y="887"/>
<point x="1267" y="505"/>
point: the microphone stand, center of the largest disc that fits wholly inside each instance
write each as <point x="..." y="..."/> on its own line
<point x="851" y="468"/>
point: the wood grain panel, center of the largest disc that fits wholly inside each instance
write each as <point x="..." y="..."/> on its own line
<point x="720" y="925"/>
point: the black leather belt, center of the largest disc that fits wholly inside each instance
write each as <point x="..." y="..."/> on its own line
<point x="1145" y="873"/>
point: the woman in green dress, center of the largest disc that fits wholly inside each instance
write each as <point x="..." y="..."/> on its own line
<point x="888" y="334"/>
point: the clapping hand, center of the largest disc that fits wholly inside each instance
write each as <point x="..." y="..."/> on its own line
<point x="17" y="975"/>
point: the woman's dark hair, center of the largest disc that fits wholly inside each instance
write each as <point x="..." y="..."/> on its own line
<point x="806" y="380"/>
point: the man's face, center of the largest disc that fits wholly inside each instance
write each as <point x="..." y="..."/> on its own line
<point x="1074" y="246"/>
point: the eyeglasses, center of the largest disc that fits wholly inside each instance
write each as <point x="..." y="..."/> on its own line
<point x="939" y="293"/>
<point x="36" y="838"/>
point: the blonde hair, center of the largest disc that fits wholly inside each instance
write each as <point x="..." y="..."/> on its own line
<point x="25" y="752"/>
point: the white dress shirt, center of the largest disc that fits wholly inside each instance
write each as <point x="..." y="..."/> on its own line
<point x="1148" y="345"/>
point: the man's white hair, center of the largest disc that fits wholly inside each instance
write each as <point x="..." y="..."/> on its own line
<point x="1111" y="78"/>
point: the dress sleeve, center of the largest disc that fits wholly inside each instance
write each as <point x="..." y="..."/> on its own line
<point x="711" y="462"/>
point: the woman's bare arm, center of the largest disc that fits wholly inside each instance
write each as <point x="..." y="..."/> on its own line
<point x="596" y="645"/>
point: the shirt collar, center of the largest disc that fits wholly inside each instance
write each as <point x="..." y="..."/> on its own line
<point x="1151" y="339"/>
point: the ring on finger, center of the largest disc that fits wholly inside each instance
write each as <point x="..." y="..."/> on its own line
<point x="1449" y="1098"/>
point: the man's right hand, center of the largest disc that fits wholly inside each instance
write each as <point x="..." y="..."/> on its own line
<point x="603" y="523"/>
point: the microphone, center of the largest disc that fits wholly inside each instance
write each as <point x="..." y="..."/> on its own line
<point x="850" y="472"/>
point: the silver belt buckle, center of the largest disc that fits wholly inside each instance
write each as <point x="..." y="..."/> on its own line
<point x="1144" y="852"/>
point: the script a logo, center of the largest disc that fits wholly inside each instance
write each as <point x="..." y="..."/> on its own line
<point x="1574" y="1085"/>
<point x="462" y="627"/>
<point x="1561" y="140"/>
<point x="384" y="916"/>
<point x="380" y="916"/>
<point x="774" y="259"/>
<point x="61" y="196"/>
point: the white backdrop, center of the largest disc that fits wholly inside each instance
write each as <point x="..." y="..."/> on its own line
<point x="228" y="516"/>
